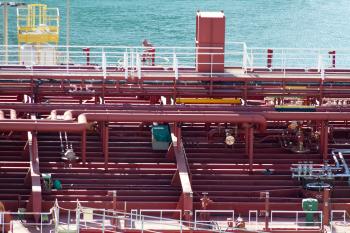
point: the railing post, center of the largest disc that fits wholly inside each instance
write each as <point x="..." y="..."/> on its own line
<point x="41" y="222"/>
<point x="104" y="64"/>
<point x="322" y="72"/>
<point x="77" y="218"/>
<point x="142" y="223"/>
<point x="195" y="220"/>
<point x="57" y="216"/>
<point x="103" y="220"/>
<point x="319" y="60"/>
<point x="126" y="64"/>
<point x="244" y="58"/>
<point x="251" y="59"/>
<point x="180" y="224"/>
<point x="132" y="62"/>
<point x="138" y="65"/>
<point x="68" y="220"/>
<point x="2" y="221"/>
<point x="175" y="66"/>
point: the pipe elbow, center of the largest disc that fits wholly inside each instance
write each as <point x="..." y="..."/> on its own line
<point x="82" y="119"/>
<point x="68" y="115"/>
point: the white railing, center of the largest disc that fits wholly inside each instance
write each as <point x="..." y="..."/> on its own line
<point x="295" y="219"/>
<point x="104" y="220"/>
<point x="299" y="58"/>
<point x="206" y="213"/>
<point x="133" y="61"/>
<point x="107" y="59"/>
<point x="336" y="220"/>
<point x="250" y="218"/>
<point x="161" y="212"/>
<point x="19" y="221"/>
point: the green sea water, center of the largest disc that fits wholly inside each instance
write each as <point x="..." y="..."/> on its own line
<point x="267" y="23"/>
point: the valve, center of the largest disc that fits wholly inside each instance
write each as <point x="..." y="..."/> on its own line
<point x="229" y="139"/>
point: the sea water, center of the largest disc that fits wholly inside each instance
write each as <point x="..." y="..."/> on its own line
<point x="265" y="23"/>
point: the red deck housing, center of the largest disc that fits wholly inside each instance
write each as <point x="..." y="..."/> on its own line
<point x="210" y="41"/>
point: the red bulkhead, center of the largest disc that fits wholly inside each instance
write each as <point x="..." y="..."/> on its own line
<point x="210" y="42"/>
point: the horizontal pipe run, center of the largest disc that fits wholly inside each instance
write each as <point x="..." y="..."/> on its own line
<point x="147" y="116"/>
<point x="41" y="121"/>
<point x="61" y="108"/>
<point x="173" y="117"/>
<point x="36" y="125"/>
<point x="305" y="116"/>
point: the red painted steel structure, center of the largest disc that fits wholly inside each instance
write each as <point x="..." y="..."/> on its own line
<point x="114" y="139"/>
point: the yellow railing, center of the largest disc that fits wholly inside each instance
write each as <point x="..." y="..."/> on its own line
<point x="37" y="24"/>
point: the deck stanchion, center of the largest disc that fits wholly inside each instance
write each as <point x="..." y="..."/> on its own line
<point x="269" y="58"/>
<point x="138" y="65"/>
<point x="41" y="222"/>
<point x="325" y="212"/>
<point x="68" y="220"/>
<point x="103" y="220"/>
<point x="126" y="65"/>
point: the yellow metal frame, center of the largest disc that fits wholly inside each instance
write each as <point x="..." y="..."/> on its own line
<point x="295" y="106"/>
<point x="36" y="26"/>
<point x="208" y="101"/>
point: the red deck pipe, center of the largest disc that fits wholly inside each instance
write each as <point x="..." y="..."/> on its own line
<point x="71" y="114"/>
<point x="326" y="209"/>
<point x="307" y="116"/>
<point x="325" y="141"/>
<point x="269" y="57"/>
<point x="322" y="123"/>
<point x="87" y="52"/>
<point x="37" y="125"/>
<point x="174" y="117"/>
<point x="332" y="55"/>
<point x="61" y="108"/>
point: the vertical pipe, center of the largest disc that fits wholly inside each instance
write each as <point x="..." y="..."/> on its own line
<point x="325" y="142"/>
<point x="269" y="58"/>
<point x="332" y="55"/>
<point x="87" y="53"/>
<point x="83" y="147"/>
<point x="326" y="209"/>
<point x="114" y="220"/>
<point x="267" y="210"/>
<point x="321" y="138"/>
<point x="105" y="145"/>
<point x="250" y="148"/>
